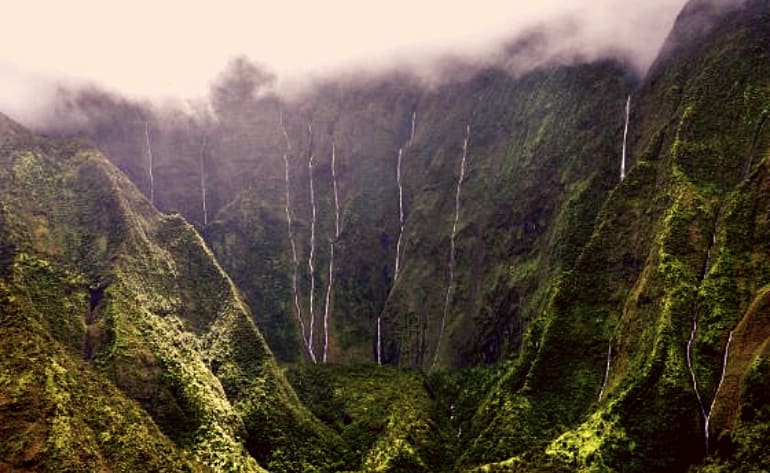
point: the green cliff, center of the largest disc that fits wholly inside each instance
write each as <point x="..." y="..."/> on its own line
<point x="537" y="304"/>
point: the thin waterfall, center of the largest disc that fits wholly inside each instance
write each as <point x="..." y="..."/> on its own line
<point x="401" y="226"/>
<point x="336" y="195"/>
<point x="606" y="370"/>
<point x="202" y="166"/>
<point x="330" y="282"/>
<point x="625" y="140"/>
<point x="694" y="330"/>
<point x="295" y="260"/>
<point x="311" y="258"/>
<point x="397" y="265"/>
<point x="452" y="248"/>
<point x="716" y="393"/>
<point x="328" y="300"/>
<point x="689" y="363"/>
<point x="401" y="217"/>
<point x="149" y="161"/>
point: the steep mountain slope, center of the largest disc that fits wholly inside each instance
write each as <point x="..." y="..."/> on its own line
<point x="647" y="343"/>
<point x="541" y="154"/>
<point x="125" y="346"/>
<point x="627" y="312"/>
<point x="510" y="136"/>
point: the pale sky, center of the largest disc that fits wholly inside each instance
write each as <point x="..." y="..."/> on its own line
<point x="157" y="48"/>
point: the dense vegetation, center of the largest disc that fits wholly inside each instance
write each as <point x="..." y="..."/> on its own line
<point x="588" y="323"/>
<point x="125" y="346"/>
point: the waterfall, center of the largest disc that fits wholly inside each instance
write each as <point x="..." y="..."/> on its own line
<point x="689" y="363"/>
<point x="452" y="248"/>
<point x="625" y="140"/>
<point x="149" y="160"/>
<point x="336" y="195"/>
<point x="311" y="258"/>
<point x="716" y="393"/>
<point x="328" y="300"/>
<point x="401" y="224"/>
<point x="202" y="165"/>
<point x="397" y="265"/>
<point x="401" y="217"/>
<point x="330" y="283"/>
<point x="606" y="370"/>
<point x="706" y="415"/>
<point x="295" y="260"/>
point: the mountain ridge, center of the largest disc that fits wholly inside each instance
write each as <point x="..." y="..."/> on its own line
<point x="562" y="315"/>
<point x="181" y="346"/>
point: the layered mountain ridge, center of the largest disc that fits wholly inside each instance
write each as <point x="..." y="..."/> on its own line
<point x="125" y="345"/>
<point x="562" y="314"/>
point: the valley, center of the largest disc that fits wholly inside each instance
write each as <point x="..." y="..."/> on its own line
<point x="549" y="270"/>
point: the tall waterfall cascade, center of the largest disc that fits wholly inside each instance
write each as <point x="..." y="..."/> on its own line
<point x="327" y="302"/>
<point x="311" y="257"/>
<point x="401" y="225"/>
<point x="452" y="244"/>
<point x="330" y="281"/>
<point x="293" y="245"/>
<point x="707" y="418"/>
<point x="397" y="265"/>
<point x="706" y="414"/>
<point x="625" y="140"/>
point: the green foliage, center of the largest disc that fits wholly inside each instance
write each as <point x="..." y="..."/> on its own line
<point x="145" y="356"/>
<point x="126" y="347"/>
<point x="389" y="418"/>
<point x="60" y="415"/>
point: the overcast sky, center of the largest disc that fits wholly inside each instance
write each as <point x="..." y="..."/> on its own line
<point x="177" y="47"/>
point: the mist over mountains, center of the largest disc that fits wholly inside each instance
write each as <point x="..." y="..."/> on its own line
<point x="542" y="250"/>
<point x="181" y="47"/>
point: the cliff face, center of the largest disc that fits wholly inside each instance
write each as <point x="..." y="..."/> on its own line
<point x="505" y="215"/>
<point x="648" y="335"/>
<point x="125" y="345"/>
<point x="487" y="221"/>
<point x="542" y="152"/>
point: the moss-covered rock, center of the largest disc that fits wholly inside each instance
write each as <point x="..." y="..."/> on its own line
<point x="125" y="345"/>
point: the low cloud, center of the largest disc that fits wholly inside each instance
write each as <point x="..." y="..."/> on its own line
<point x="176" y="48"/>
